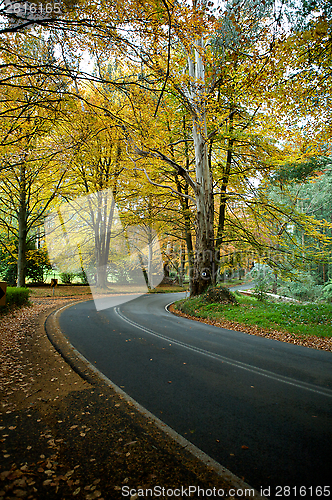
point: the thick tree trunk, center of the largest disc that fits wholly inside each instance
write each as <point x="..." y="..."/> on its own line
<point x="204" y="271"/>
<point x="182" y="263"/>
<point x="21" y="259"/>
<point x="22" y="231"/>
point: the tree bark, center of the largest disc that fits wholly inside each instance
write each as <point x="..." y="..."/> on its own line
<point x="223" y="190"/>
<point x="22" y="230"/>
<point x="204" y="272"/>
<point x="103" y="233"/>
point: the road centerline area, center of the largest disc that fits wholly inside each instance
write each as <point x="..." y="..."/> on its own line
<point x="218" y="357"/>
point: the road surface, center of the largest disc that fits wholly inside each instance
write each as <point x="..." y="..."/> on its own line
<point x="260" y="407"/>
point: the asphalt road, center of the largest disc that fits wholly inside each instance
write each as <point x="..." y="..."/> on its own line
<point x="260" y="407"/>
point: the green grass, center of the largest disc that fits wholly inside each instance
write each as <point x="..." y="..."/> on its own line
<point x="233" y="282"/>
<point x="15" y="297"/>
<point x="309" y="319"/>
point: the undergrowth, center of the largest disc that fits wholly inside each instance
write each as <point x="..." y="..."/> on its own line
<point x="304" y="319"/>
<point x="15" y="297"/>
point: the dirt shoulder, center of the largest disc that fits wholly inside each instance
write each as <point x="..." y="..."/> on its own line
<point x="64" y="437"/>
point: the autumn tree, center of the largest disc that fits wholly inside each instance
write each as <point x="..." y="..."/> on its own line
<point x="97" y="168"/>
<point x="208" y="78"/>
<point x="33" y="159"/>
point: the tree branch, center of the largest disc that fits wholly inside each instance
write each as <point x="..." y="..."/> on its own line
<point x="167" y="187"/>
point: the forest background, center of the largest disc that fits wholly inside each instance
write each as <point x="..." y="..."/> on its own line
<point x="209" y="123"/>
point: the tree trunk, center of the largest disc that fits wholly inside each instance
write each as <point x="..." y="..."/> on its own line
<point x="103" y="233"/>
<point x="182" y="263"/>
<point x="187" y="225"/>
<point x="22" y="230"/>
<point x="224" y="185"/>
<point x="204" y="272"/>
<point x="275" y="282"/>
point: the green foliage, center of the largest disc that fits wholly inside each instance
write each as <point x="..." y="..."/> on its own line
<point x="83" y="277"/>
<point x="303" y="13"/>
<point x="263" y="277"/>
<point x="9" y="274"/>
<point x="219" y="294"/>
<point x="16" y="296"/>
<point x="67" y="278"/>
<point x="301" y="172"/>
<point x="8" y="264"/>
<point x="327" y="292"/>
<point x="305" y="288"/>
<point x="38" y="264"/>
<point x="303" y="249"/>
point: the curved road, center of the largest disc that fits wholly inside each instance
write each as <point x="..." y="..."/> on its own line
<point x="260" y="407"/>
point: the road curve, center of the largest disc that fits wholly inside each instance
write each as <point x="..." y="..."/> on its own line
<point x="261" y="408"/>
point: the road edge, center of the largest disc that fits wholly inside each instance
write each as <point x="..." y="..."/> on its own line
<point x="91" y="374"/>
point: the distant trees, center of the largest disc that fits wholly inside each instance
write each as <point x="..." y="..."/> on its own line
<point x="307" y="238"/>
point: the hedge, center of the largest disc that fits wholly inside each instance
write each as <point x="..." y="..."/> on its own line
<point x="16" y="296"/>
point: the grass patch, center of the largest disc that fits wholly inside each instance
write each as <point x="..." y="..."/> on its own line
<point x="60" y="291"/>
<point x="169" y="289"/>
<point x="303" y="319"/>
<point x="75" y="290"/>
<point x="232" y="282"/>
<point x="15" y="297"/>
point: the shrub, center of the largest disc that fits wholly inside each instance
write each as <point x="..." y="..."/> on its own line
<point x="10" y="275"/>
<point x="17" y="296"/>
<point x="263" y="277"/>
<point x="303" y="289"/>
<point x="327" y="292"/>
<point x="83" y="277"/>
<point x="67" y="278"/>
<point x="219" y="294"/>
<point x="37" y="263"/>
